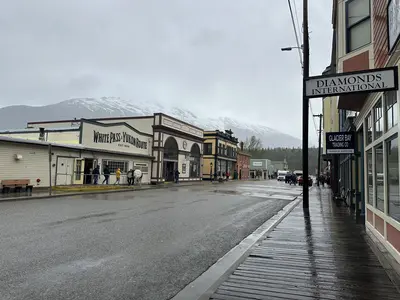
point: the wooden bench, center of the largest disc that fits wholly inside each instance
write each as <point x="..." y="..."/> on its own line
<point x="17" y="185"/>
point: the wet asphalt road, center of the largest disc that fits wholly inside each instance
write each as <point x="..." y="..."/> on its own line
<point x="142" y="245"/>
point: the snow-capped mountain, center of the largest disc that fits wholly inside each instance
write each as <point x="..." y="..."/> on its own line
<point x="16" y="116"/>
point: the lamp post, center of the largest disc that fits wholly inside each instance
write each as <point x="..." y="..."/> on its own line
<point x="306" y="73"/>
<point x="211" y="171"/>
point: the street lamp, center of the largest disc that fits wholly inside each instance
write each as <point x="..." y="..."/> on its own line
<point x="211" y="172"/>
<point x="291" y="48"/>
<point x="306" y="73"/>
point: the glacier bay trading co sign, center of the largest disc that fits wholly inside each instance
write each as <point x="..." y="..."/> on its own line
<point x="340" y="142"/>
<point x="373" y="80"/>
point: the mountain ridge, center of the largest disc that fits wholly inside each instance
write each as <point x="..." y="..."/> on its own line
<point x="17" y="116"/>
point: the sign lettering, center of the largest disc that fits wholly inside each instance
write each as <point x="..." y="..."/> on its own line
<point x="340" y="142"/>
<point x="357" y="82"/>
<point x="118" y="137"/>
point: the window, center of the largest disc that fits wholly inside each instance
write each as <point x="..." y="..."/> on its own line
<point x="392" y="108"/>
<point x="142" y="167"/>
<point x="113" y="165"/>
<point x="392" y="163"/>
<point x="370" y="178"/>
<point x="369" y="129"/>
<point x="379" y="187"/>
<point x="78" y="169"/>
<point x="378" y="119"/>
<point x="208" y="148"/>
<point x="358" y="24"/>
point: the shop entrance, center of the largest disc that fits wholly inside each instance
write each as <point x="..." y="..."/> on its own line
<point x="170" y="158"/>
<point x="169" y="170"/>
<point x="87" y="177"/>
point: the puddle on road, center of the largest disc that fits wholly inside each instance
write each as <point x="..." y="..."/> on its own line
<point x="227" y="192"/>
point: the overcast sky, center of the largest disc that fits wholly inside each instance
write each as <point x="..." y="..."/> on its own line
<point x="217" y="57"/>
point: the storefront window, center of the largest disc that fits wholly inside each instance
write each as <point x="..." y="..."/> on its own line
<point x="392" y="163"/>
<point x="142" y="167"/>
<point x="379" y="186"/>
<point x="369" y="129"/>
<point x="113" y="165"/>
<point x="378" y="119"/>
<point x="370" y="178"/>
<point x="392" y="113"/>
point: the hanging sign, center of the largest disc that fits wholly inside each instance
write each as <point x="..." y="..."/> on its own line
<point x="340" y="142"/>
<point x="393" y="23"/>
<point x="373" y="80"/>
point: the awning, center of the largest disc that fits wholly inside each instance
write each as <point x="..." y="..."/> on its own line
<point x="353" y="102"/>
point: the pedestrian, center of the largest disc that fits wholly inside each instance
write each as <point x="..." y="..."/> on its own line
<point x="177" y="176"/>
<point x="228" y="175"/>
<point x="117" y="176"/>
<point x="106" y="172"/>
<point x="130" y="177"/>
<point x="138" y="177"/>
<point x="96" y="174"/>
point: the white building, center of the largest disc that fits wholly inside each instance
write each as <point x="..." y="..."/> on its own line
<point x="124" y="142"/>
<point x="91" y="144"/>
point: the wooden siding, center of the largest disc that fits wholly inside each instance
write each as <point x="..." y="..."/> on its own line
<point x="379" y="18"/>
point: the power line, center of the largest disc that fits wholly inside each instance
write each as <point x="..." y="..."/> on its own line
<point x="296" y="31"/>
<point x="296" y="35"/>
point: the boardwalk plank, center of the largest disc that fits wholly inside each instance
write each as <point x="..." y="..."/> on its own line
<point x="320" y="256"/>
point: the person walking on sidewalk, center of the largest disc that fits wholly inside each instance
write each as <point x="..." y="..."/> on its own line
<point x="106" y="173"/>
<point x="130" y="177"/>
<point x="117" y="176"/>
<point x="96" y="174"/>
<point x="177" y="176"/>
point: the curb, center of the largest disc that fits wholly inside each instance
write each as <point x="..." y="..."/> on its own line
<point x="205" y="285"/>
<point x="67" y="194"/>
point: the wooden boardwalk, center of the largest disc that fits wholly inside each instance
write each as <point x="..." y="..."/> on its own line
<point x="320" y="256"/>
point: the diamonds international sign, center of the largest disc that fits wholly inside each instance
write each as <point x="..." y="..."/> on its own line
<point x="367" y="81"/>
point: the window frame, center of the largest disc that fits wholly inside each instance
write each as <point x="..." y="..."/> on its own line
<point x="387" y="191"/>
<point x="208" y="146"/>
<point x="376" y="118"/>
<point x="106" y="162"/>
<point x="348" y="27"/>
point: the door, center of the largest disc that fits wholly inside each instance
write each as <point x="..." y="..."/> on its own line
<point x="78" y="172"/>
<point x="64" y="171"/>
<point x="169" y="170"/>
<point x="87" y="171"/>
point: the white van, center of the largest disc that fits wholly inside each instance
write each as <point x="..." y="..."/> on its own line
<point x="281" y="175"/>
<point x="298" y="173"/>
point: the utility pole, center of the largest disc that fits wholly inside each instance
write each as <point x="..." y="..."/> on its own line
<point x="306" y="74"/>
<point x="319" y="147"/>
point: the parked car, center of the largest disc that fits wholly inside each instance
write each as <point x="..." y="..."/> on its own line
<point x="300" y="180"/>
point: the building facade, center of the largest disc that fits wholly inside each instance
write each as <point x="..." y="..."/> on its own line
<point x="280" y="165"/>
<point x="220" y="154"/>
<point x="243" y="163"/>
<point x="264" y="165"/>
<point x="158" y="145"/>
<point x="115" y="145"/>
<point x="365" y="36"/>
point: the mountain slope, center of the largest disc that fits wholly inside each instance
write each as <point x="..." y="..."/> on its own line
<point x="17" y="116"/>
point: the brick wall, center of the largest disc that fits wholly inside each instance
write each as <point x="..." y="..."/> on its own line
<point x="243" y="164"/>
<point x="357" y="63"/>
<point x="379" y="18"/>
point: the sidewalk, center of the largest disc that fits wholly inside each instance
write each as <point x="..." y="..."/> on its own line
<point x="74" y="191"/>
<point x="323" y="256"/>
